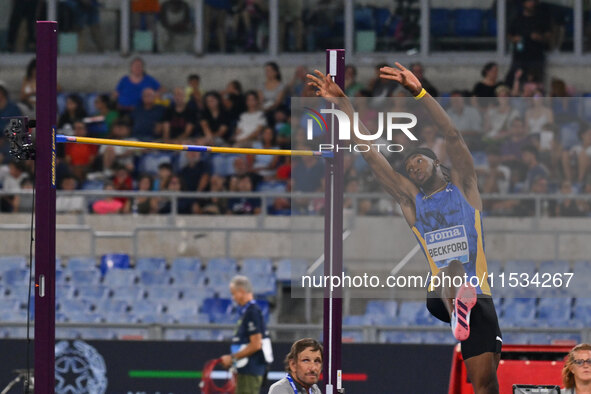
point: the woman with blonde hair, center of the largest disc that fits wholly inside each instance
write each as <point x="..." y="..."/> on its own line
<point x="576" y="373"/>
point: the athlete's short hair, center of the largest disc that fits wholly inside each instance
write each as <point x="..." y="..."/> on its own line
<point x="300" y="346"/>
<point x="241" y="282"/>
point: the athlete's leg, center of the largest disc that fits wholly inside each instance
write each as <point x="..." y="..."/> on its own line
<point x="447" y="289"/>
<point x="482" y="372"/>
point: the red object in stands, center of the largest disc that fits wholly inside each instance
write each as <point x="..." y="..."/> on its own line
<point x="512" y="372"/>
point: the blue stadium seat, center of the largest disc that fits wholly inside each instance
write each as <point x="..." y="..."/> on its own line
<point x="116" y="318"/>
<point x="400" y="337"/>
<point x="538" y="338"/>
<point x="557" y="338"/>
<point x="61" y="102"/>
<point x="409" y="311"/>
<point x="468" y="22"/>
<point x="263" y="285"/>
<point x="178" y="309"/>
<point x="257" y="266"/>
<point x="128" y="293"/>
<point x="88" y="277"/>
<point x="70" y="306"/>
<point x="154" y="278"/>
<point x="89" y="103"/>
<point x="92" y="292"/>
<point x="199" y="318"/>
<point x="219" y="283"/>
<point x="553" y="267"/>
<point x="224" y="318"/>
<point x="146" y="307"/>
<point x="521" y="266"/>
<point x="111" y="306"/>
<point x="15" y="277"/>
<point x="221" y="265"/>
<point x="354" y="320"/>
<point x="157" y="319"/>
<point x="150" y="264"/>
<point x="114" y="260"/>
<point x="8" y="263"/>
<point x="380" y="320"/>
<point x="119" y="277"/>
<point x="515" y="338"/>
<point x="287" y="267"/>
<point x="363" y="17"/>
<point x="195" y="293"/>
<point x="163" y="293"/>
<point x="217" y="306"/>
<point x="518" y="311"/>
<point x="494" y="266"/>
<point x="149" y="162"/>
<point x="9" y="305"/>
<point x="64" y="291"/>
<point x="381" y="307"/>
<point x="186" y="264"/>
<point x="491" y="23"/>
<point x="555" y="312"/>
<point x="187" y="278"/>
<point x="384" y="22"/>
<point x="440" y="21"/>
<point x="264" y="306"/>
<point x="82" y="317"/>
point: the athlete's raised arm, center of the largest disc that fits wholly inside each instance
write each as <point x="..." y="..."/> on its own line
<point x="402" y="189"/>
<point x="463" y="172"/>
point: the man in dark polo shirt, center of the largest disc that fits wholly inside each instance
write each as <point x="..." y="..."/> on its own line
<point x="303" y="365"/>
<point x="247" y="343"/>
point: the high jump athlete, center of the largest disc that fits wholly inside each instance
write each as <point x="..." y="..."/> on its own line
<point x="438" y="205"/>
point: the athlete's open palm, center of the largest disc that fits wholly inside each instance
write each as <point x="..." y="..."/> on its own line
<point x="403" y="76"/>
<point x="325" y="86"/>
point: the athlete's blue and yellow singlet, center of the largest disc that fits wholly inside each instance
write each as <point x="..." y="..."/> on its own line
<point x="448" y="228"/>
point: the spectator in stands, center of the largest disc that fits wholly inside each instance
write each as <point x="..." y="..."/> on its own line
<point x="107" y="205"/>
<point x="214" y="205"/>
<point x="570" y="206"/>
<point x="419" y="71"/>
<point x="351" y="84"/>
<point x="538" y="115"/>
<point x="105" y="107"/>
<point x="297" y="83"/>
<point x="529" y="157"/>
<point x="22" y="11"/>
<point x="251" y="123"/>
<point x="28" y="96"/>
<point x="215" y="16"/>
<point x="576" y="373"/>
<point x="215" y="122"/>
<point x="303" y="365"/>
<point x="24" y="203"/>
<point x="74" y="111"/>
<point x="307" y="174"/>
<point x="251" y="13"/>
<point x="179" y="120"/>
<point x="142" y="205"/>
<point x="183" y="204"/>
<point x="148" y="117"/>
<point x="86" y="13"/>
<point x="486" y="87"/>
<point x="272" y="93"/>
<point x="144" y="14"/>
<point x="248" y="353"/>
<point x="80" y="156"/>
<point x="517" y="138"/>
<point x="194" y="93"/>
<point x="467" y="120"/>
<point x="497" y="118"/>
<point x="564" y="107"/>
<point x="265" y="165"/>
<point x="120" y="155"/>
<point x="122" y="181"/>
<point x="164" y="174"/>
<point x="496" y="177"/>
<point x="283" y="127"/>
<point x="244" y="205"/>
<point x="290" y="16"/>
<point x="11" y="176"/>
<point x="234" y="101"/>
<point x="196" y="173"/>
<point x="576" y="162"/>
<point x="175" y="17"/>
<point x="65" y="203"/>
<point x="380" y="88"/>
<point x="7" y="108"/>
<point x="129" y="90"/>
<point x="529" y="33"/>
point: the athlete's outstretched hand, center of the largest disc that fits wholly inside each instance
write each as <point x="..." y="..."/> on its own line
<point x="403" y="76"/>
<point x="325" y="86"/>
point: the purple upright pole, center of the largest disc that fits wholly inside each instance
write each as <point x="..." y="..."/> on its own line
<point x="45" y="208"/>
<point x="333" y="238"/>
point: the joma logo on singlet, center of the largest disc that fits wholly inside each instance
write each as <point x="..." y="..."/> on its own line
<point x="448" y="233"/>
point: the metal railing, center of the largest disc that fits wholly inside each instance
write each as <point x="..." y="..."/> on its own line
<point x="290" y="332"/>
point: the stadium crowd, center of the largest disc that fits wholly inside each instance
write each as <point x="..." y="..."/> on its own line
<point x="526" y="138"/>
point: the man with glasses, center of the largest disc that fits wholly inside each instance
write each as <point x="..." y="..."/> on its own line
<point x="576" y="374"/>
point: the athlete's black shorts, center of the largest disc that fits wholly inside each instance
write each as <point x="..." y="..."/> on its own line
<point x="485" y="334"/>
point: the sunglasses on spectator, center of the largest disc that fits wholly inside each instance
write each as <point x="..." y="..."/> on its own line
<point x="580" y="363"/>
